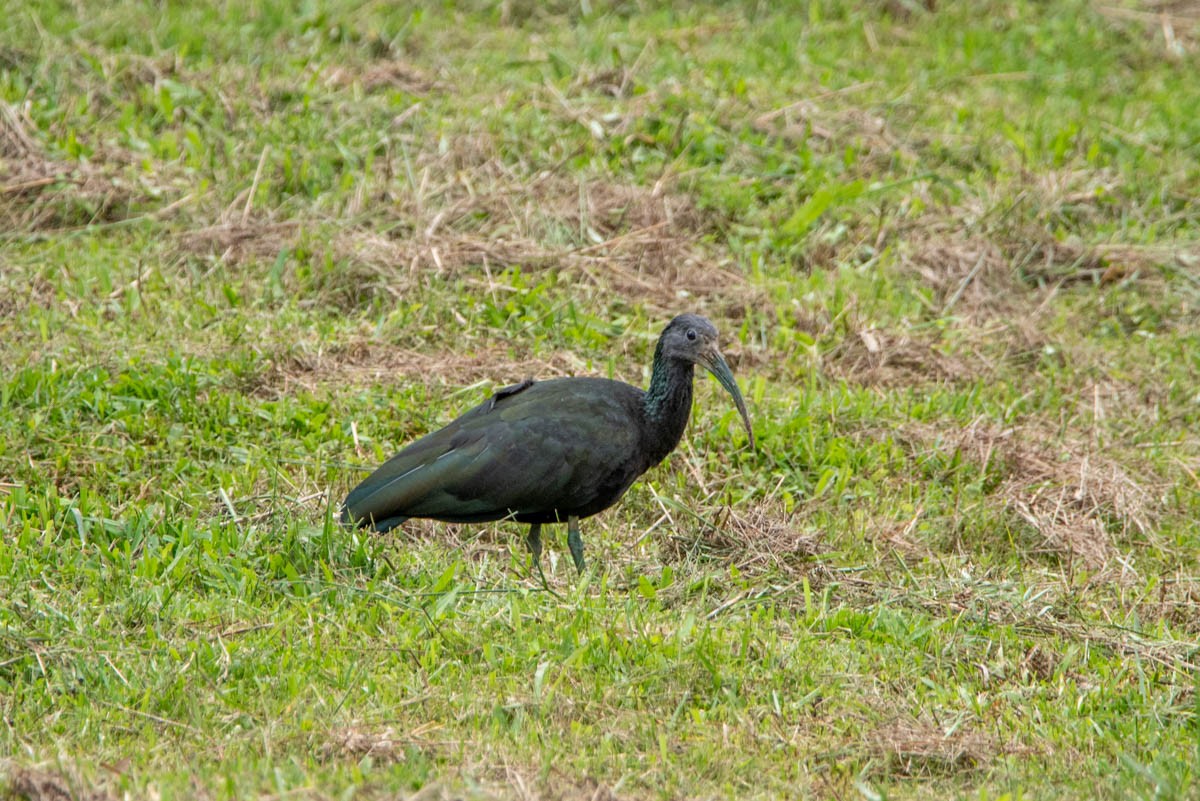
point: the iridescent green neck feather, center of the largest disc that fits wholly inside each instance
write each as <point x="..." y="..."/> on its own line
<point x="667" y="404"/>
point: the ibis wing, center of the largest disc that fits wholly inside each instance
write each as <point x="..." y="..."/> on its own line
<point x="549" y="447"/>
<point x="416" y="477"/>
<point x="556" y="450"/>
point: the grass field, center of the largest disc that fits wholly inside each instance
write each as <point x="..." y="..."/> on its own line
<point x="247" y="250"/>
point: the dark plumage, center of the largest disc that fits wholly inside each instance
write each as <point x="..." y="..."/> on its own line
<point x="547" y="451"/>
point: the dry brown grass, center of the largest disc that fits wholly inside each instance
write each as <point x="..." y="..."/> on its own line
<point x="760" y="539"/>
<point x="922" y="748"/>
<point x="982" y="278"/>
<point x="819" y="122"/>
<point x="240" y="241"/>
<point x="39" y="784"/>
<point x="461" y="208"/>
<point x="1074" y="496"/>
<point x="876" y="357"/>
<point x="383" y="744"/>
<point x="864" y="354"/>
<point x="385" y="74"/>
<point x="968" y="276"/>
<point x="562" y="787"/>
<point x="1173" y="25"/>
<point x="472" y="217"/>
<point x="1001" y="289"/>
<point x="529" y="783"/>
<point x="899" y="537"/>
<point x="636" y="241"/>
<point x="20" y="291"/>
<point x="994" y="259"/>
<point x="364" y="362"/>
<point x="38" y="192"/>
<point x="1178" y="602"/>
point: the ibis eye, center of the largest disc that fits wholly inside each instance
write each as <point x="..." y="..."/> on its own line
<point x="691" y="334"/>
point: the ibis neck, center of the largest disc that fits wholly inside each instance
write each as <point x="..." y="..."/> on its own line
<point x="667" y="404"/>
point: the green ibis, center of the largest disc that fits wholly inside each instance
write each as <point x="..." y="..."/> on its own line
<point x="550" y="451"/>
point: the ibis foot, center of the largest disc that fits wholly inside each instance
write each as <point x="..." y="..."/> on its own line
<point x="575" y="542"/>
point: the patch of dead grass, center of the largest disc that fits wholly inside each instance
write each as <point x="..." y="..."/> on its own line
<point x="1172" y="25"/>
<point x="1073" y="496"/>
<point x="38" y="784"/>
<point x="919" y="748"/>
<point x="1056" y="615"/>
<point x="236" y="242"/>
<point x="899" y="535"/>
<point x="362" y="362"/>
<point x="614" y="82"/>
<point x="816" y="121"/>
<point x="640" y="242"/>
<point x="564" y="787"/>
<point x="20" y="292"/>
<point x="1001" y="292"/>
<point x="878" y="357"/>
<point x="467" y="208"/>
<point x="38" y="192"/>
<point x="970" y="276"/>
<point x="384" y="744"/>
<point x="1178" y="602"/>
<point x="994" y="257"/>
<point x="384" y="74"/>
<point x="984" y="272"/>
<point x="759" y="538"/>
<point x="461" y="208"/>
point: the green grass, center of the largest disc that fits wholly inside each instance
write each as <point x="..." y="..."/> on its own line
<point x="247" y="252"/>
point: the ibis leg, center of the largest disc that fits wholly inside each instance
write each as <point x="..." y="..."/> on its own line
<point x="534" y="541"/>
<point x="575" y="542"/>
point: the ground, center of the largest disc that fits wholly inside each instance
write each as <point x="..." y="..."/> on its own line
<point x="249" y="250"/>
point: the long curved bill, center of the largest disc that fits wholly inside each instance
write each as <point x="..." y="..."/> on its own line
<point x="715" y="363"/>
